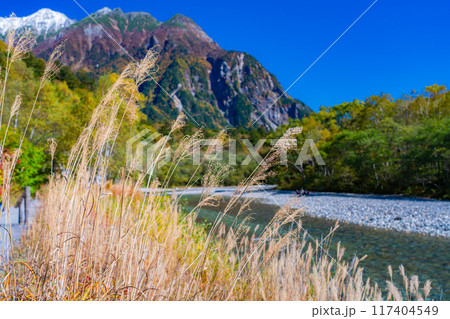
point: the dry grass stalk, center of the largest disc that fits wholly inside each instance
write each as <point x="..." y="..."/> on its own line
<point x="94" y="240"/>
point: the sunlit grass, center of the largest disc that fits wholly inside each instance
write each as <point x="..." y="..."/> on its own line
<point x="97" y="240"/>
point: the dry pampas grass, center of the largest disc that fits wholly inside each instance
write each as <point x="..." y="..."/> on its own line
<point x="98" y="240"/>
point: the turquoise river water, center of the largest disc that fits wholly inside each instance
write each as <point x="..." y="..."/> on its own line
<point x="423" y="255"/>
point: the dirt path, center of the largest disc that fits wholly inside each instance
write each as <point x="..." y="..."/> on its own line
<point x="10" y="222"/>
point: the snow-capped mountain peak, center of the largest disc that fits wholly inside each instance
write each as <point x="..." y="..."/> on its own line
<point x="104" y="10"/>
<point x="43" y="22"/>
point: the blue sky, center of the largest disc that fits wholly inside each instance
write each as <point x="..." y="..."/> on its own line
<point x="398" y="46"/>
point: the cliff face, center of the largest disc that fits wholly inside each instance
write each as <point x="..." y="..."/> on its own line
<point x="246" y="92"/>
<point x="218" y="88"/>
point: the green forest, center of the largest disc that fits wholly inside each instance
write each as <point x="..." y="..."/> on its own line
<point x="379" y="145"/>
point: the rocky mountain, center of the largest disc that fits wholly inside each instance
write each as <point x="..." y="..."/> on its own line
<point x="42" y="22"/>
<point x="218" y="88"/>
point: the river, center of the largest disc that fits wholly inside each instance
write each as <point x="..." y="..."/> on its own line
<point x="422" y="254"/>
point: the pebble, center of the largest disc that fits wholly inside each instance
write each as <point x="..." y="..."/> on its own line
<point x="426" y="216"/>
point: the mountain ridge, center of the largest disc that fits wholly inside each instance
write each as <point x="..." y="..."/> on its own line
<point x="216" y="86"/>
<point x="43" y="22"/>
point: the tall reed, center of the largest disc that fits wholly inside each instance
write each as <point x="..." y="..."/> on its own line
<point x="95" y="240"/>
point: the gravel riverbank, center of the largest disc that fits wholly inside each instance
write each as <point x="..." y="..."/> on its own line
<point x="389" y="212"/>
<point x="400" y="213"/>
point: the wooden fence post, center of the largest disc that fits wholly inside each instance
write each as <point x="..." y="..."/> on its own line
<point x="20" y="210"/>
<point x="27" y="202"/>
